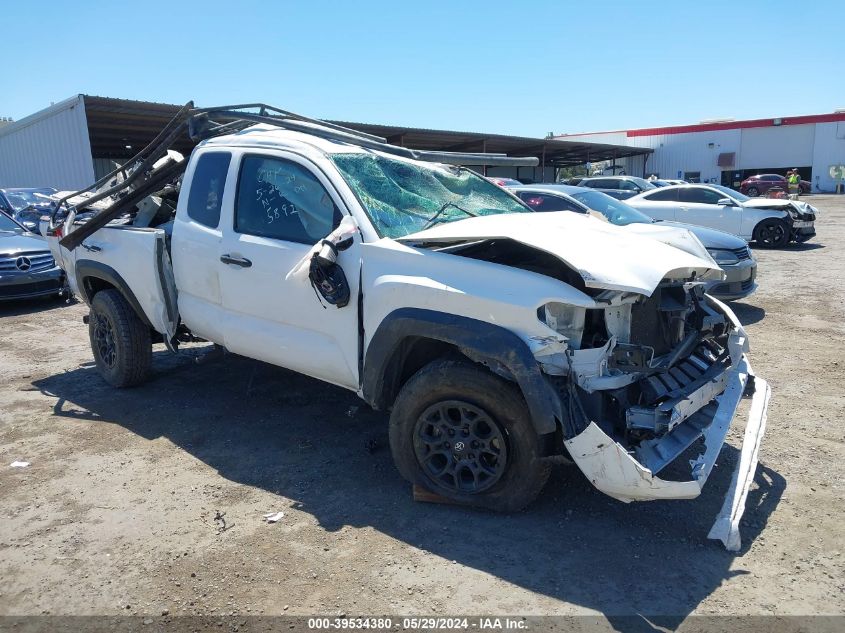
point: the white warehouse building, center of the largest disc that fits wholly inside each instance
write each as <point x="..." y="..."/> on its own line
<point x="727" y="151"/>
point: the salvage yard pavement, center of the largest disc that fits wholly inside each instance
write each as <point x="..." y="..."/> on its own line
<point x="155" y="499"/>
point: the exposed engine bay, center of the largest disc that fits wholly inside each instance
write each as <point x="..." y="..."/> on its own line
<point x="642" y="378"/>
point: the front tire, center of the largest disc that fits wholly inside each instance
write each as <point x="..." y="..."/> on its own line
<point x="465" y="434"/>
<point x="752" y="192"/>
<point x="120" y="341"/>
<point x="772" y="233"/>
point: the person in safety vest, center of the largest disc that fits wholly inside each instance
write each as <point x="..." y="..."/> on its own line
<point x="793" y="181"/>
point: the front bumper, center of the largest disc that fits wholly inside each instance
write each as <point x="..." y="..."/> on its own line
<point x="739" y="281"/>
<point x="30" y="285"/>
<point x="630" y="475"/>
<point x="804" y="233"/>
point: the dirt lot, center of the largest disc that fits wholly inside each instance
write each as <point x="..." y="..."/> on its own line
<point x="116" y="514"/>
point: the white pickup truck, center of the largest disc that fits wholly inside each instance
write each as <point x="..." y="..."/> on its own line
<point x="497" y="338"/>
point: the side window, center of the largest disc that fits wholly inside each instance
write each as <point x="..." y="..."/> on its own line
<point x="207" y="188"/>
<point x="663" y="195"/>
<point x="544" y="202"/>
<point x="627" y="185"/>
<point x="700" y="196"/>
<point x="280" y="199"/>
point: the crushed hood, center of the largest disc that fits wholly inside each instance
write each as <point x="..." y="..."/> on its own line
<point x="769" y="203"/>
<point x="605" y="256"/>
<point x="779" y="203"/>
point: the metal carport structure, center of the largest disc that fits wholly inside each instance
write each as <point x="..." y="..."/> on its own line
<point x="117" y="128"/>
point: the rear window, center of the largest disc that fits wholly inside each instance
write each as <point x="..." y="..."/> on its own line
<point x="662" y="195"/>
<point x="206" y="195"/>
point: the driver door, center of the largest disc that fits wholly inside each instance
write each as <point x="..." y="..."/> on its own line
<point x="698" y="205"/>
<point x="282" y="207"/>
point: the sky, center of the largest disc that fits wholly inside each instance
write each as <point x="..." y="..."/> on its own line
<point x="523" y="68"/>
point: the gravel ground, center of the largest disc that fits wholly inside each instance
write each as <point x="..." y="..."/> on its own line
<point x="117" y="512"/>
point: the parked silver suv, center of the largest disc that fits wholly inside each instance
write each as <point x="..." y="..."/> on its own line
<point x="620" y="187"/>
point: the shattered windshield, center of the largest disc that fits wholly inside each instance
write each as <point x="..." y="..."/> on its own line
<point x="22" y="199"/>
<point x="403" y="197"/>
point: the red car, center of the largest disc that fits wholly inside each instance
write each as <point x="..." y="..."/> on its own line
<point x="758" y="185"/>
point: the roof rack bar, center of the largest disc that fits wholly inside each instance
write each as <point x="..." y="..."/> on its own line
<point x="233" y="110"/>
<point x="339" y="133"/>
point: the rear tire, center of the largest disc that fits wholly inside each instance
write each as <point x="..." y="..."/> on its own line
<point x="752" y="192"/>
<point x="120" y="341"/>
<point x="466" y="434"/>
<point x="772" y="233"/>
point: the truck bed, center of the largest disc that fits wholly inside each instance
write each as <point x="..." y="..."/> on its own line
<point x="134" y="259"/>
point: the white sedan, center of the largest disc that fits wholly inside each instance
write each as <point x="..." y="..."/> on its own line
<point x="770" y="222"/>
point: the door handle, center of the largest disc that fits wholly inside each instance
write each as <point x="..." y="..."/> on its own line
<point x="243" y="262"/>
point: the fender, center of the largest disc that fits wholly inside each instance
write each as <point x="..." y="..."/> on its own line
<point x="484" y="340"/>
<point x="86" y="268"/>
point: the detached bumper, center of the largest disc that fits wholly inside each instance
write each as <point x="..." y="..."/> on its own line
<point x="617" y="473"/>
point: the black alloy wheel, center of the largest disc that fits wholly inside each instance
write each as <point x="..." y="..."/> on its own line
<point x="460" y="447"/>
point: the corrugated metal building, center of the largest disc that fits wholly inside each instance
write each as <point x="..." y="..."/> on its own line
<point x="72" y="143"/>
<point x="48" y="148"/>
<point x="726" y="152"/>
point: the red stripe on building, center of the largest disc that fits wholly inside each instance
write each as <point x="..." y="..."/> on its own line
<point x="738" y="125"/>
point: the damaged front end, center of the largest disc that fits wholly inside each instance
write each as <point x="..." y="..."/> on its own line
<point x="644" y="379"/>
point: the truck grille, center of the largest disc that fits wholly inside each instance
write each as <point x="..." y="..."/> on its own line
<point x="26" y="262"/>
<point x="674" y="381"/>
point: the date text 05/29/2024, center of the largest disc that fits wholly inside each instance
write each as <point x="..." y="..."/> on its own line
<point x="479" y="623"/>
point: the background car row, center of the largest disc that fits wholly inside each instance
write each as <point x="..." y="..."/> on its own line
<point x="769" y="222"/>
<point x="731" y="253"/>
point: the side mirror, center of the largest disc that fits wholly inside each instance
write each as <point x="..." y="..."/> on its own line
<point x="725" y="202"/>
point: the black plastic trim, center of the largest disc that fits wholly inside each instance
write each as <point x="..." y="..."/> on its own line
<point x="485" y="340"/>
<point x="86" y="268"/>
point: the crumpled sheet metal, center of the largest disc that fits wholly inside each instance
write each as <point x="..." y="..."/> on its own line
<point x="611" y="469"/>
